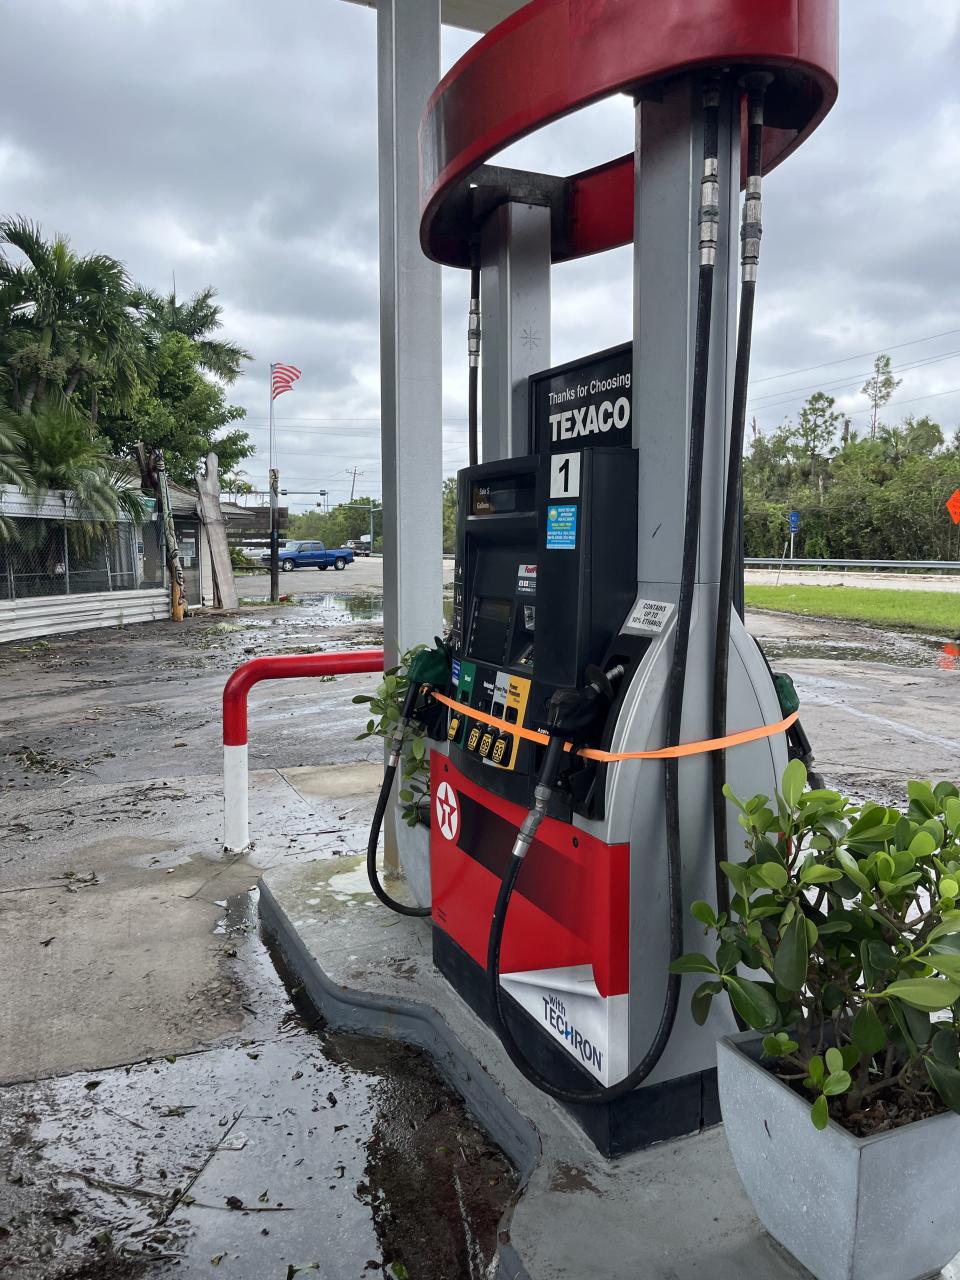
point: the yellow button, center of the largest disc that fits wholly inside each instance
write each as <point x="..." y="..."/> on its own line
<point x="473" y="738"/>
<point x="454" y="728"/>
<point x="500" y="749"/>
<point x="486" y="743"/>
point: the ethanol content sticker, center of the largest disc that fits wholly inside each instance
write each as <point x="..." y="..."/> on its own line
<point x="648" y="617"/>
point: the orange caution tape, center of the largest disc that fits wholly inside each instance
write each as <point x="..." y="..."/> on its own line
<point x="614" y="757"/>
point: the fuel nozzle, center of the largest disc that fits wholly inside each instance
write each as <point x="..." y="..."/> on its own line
<point x="428" y="669"/>
<point x="572" y="714"/>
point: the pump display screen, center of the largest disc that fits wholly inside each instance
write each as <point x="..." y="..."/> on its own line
<point x="488" y="635"/>
<point x="503" y="496"/>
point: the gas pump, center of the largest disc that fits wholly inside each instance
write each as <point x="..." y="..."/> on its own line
<point x="603" y="686"/>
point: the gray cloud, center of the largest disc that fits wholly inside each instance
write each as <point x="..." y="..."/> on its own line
<point x="235" y="144"/>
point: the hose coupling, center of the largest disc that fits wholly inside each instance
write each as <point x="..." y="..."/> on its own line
<point x="756" y="84"/>
<point x="396" y="742"/>
<point x="525" y="836"/>
<point x="709" y="216"/>
<point x="528" y="828"/>
<point x="751" y="230"/>
<point x="474" y="333"/>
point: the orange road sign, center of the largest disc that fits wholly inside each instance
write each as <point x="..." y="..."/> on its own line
<point x="953" y="506"/>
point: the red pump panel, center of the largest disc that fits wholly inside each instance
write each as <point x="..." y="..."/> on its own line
<point x="571" y="903"/>
<point x="555" y="56"/>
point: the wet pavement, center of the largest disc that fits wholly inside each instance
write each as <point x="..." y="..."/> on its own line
<point x="861" y="643"/>
<point x="153" y="1065"/>
<point x="878" y="706"/>
<point x="120" y="952"/>
<point x="290" y="1148"/>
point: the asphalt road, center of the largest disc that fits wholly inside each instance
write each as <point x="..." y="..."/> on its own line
<point x="843" y="578"/>
<point x="364" y="575"/>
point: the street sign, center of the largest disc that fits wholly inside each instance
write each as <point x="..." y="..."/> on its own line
<point x="794" y="521"/>
<point x="953" y="506"/>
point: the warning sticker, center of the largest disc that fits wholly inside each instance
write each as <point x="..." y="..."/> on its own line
<point x="648" y="617"/>
<point x="561" y="528"/>
<point x="526" y="579"/>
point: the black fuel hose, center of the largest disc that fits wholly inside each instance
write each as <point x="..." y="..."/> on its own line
<point x="750" y="233"/>
<point x="473" y="355"/>
<point x="383" y="800"/>
<point x="709" y="225"/>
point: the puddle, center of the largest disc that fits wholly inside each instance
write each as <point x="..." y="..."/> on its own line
<point x="346" y="885"/>
<point x="892" y="648"/>
<point x="332" y="609"/>
<point x="293" y="1147"/>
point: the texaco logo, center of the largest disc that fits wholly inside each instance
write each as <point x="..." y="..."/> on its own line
<point x="448" y="811"/>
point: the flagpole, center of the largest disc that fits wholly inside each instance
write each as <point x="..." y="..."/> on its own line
<point x="274" y="512"/>
<point x="270" y="393"/>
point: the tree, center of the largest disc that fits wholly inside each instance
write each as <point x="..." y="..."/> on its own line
<point x="176" y="409"/>
<point x="450" y="513"/>
<point x="923" y="435"/>
<point x="196" y="319"/>
<point x="236" y="485"/>
<point x="57" y="448"/>
<point x="767" y="468"/>
<point x="88" y="363"/>
<point x="67" y="320"/>
<point x="815" y="432"/>
<point x="344" y="523"/>
<point x="878" y="389"/>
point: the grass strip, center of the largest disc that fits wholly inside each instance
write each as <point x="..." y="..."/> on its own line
<point x="934" y="612"/>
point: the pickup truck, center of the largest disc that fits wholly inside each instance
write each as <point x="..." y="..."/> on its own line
<point x="310" y="555"/>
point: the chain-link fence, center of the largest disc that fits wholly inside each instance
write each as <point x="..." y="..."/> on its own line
<point x="49" y="557"/>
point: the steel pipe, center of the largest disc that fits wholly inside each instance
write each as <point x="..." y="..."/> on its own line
<point x="236" y="826"/>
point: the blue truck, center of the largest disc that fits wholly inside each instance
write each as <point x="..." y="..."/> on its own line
<point x="310" y="555"/>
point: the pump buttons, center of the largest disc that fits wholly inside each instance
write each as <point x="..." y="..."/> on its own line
<point x="473" y="737"/>
<point x="454" y="728"/>
<point x="501" y="748"/>
<point x="486" y="744"/>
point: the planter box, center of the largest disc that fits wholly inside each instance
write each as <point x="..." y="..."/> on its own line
<point x="879" y="1208"/>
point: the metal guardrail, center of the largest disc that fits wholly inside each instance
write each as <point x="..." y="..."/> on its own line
<point x="903" y="566"/>
<point x="236" y="828"/>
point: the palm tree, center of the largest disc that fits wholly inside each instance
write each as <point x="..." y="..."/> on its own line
<point x="13" y="469"/>
<point x="61" y="451"/>
<point x="67" y="318"/>
<point x="196" y="319"/>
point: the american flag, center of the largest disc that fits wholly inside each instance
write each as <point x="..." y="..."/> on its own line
<point x="282" y="378"/>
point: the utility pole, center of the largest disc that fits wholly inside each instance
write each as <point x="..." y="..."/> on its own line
<point x="353" y="471"/>
<point x="274" y="536"/>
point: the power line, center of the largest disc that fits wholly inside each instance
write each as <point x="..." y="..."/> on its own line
<point x="826" y="364"/>
<point x="447" y="421"/>
<point x="931" y="395"/>
<point x="775" y="398"/>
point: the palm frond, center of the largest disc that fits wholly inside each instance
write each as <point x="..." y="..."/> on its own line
<point x="24" y="235"/>
<point x="13" y="469"/>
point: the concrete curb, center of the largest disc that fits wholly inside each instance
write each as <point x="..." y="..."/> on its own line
<point x="348" y="1009"/>
<point x="674" y="1211"/>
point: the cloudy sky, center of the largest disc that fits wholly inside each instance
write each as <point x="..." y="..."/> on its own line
<point x="233" y="143"/>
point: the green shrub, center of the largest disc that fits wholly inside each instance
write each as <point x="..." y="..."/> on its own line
<point x="386" y="705"/>
<point x="848" y="916"/>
